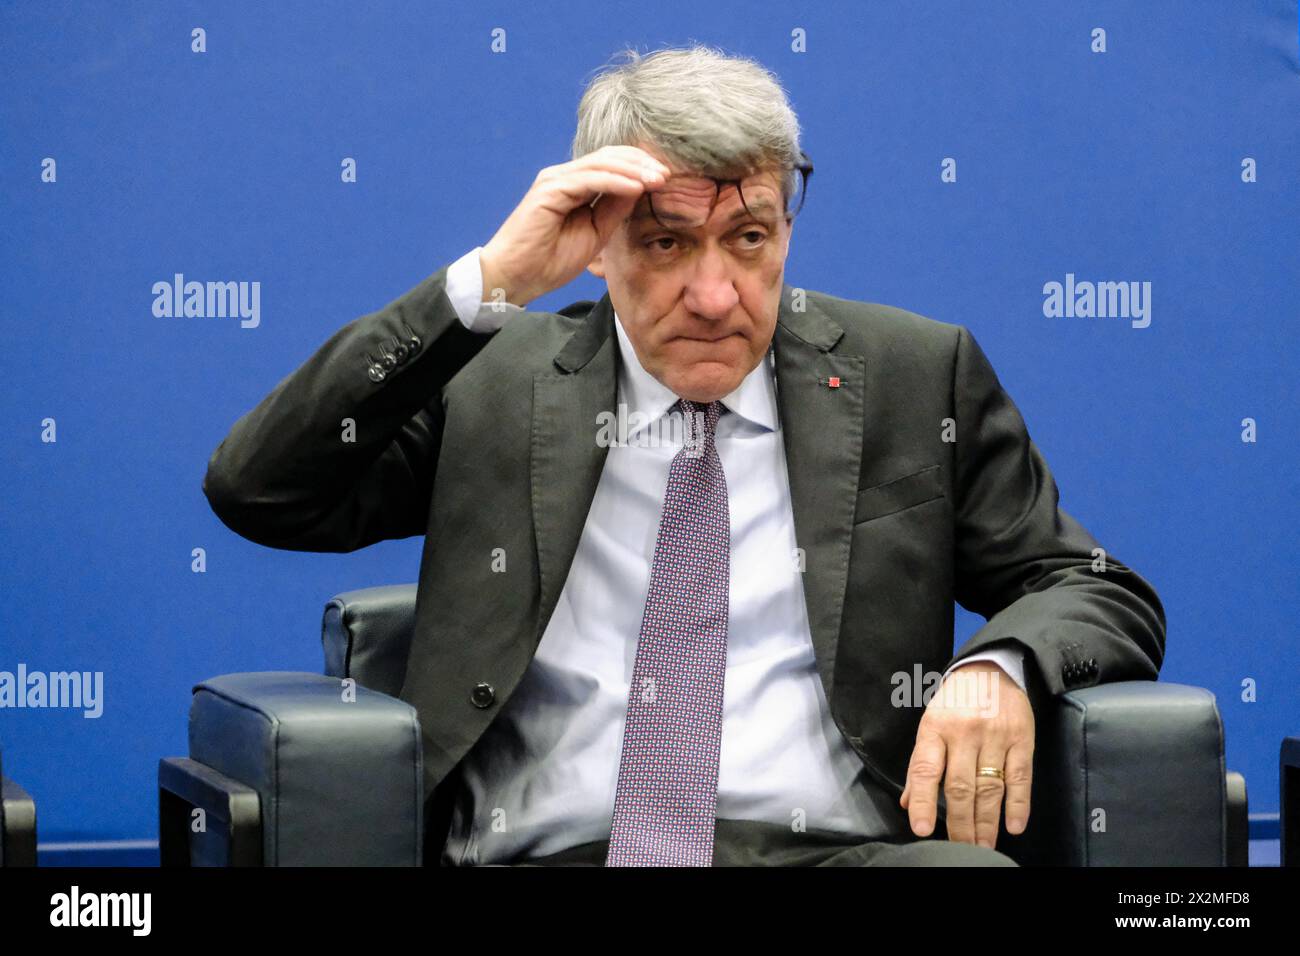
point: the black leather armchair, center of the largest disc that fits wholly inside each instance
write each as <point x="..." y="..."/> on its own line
<point x="17" y="824"/>
<point x="1289" y="803"/>
<point x="287" y="773"/>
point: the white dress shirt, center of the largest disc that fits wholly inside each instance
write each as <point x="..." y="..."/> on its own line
<point x="542" y="778"/>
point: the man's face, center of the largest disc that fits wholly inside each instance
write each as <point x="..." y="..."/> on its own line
<point x="700" y="304"/>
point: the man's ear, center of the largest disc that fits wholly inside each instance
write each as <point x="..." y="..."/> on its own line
<point x="597" y="265"/>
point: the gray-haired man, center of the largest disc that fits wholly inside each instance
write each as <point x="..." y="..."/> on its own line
<point x="643" y="650"/>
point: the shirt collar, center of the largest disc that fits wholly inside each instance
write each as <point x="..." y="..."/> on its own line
<point x="754" y="399"/>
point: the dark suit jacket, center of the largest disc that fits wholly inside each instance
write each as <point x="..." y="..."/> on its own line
<point x="483" y="442"/>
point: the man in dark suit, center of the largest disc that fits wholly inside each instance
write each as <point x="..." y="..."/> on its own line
<point x="691" y="551"/>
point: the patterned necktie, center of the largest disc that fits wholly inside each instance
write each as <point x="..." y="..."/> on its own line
<point x="667" y="790"/>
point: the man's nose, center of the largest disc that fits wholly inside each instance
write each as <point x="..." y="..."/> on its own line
<point x="711" y="290"/>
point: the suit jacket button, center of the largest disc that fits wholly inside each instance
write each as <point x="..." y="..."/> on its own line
<point x="377" y="374"/>
<point x="482" y="695"/>
<point x="412" y="340"/>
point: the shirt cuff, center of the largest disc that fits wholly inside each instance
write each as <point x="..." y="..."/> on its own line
<point x="1010" y="659"/>
<point x="465" y="290"/>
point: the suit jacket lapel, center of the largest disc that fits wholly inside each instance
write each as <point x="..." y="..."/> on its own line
<point x="822" y="431"/>
<point x="566" y="460"/>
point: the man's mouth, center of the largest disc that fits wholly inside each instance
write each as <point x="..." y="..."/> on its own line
<point x="699" y="338"/>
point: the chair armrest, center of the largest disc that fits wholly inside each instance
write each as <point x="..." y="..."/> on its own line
<point x="229" y="830"/>
<point x="1238" y="820"/>
<point x="1128" y="774"/>
<point x="337" y="768"/>
<point x="17" y="825"/>
<point x="1289" y="805"/>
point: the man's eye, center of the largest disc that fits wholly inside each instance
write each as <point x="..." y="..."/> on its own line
<point x="752" y="239"/>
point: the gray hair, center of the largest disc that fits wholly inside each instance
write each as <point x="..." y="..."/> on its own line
<point x="710" y="113"/>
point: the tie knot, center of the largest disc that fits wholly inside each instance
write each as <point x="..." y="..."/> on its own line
<point x="701" y="412"/>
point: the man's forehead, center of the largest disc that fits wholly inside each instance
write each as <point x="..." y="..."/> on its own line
<point x="765" y="176"/>
<point x="642" y="213"/>
<point x="762" y="188"/>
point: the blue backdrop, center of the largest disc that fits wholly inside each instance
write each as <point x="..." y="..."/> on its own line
<point x="1161" y="152"/>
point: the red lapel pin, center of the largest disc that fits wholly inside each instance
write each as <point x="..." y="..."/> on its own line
<point x="832" y="382"/>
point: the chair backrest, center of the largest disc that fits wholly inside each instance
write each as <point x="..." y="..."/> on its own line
<point x="366" y="635"/>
